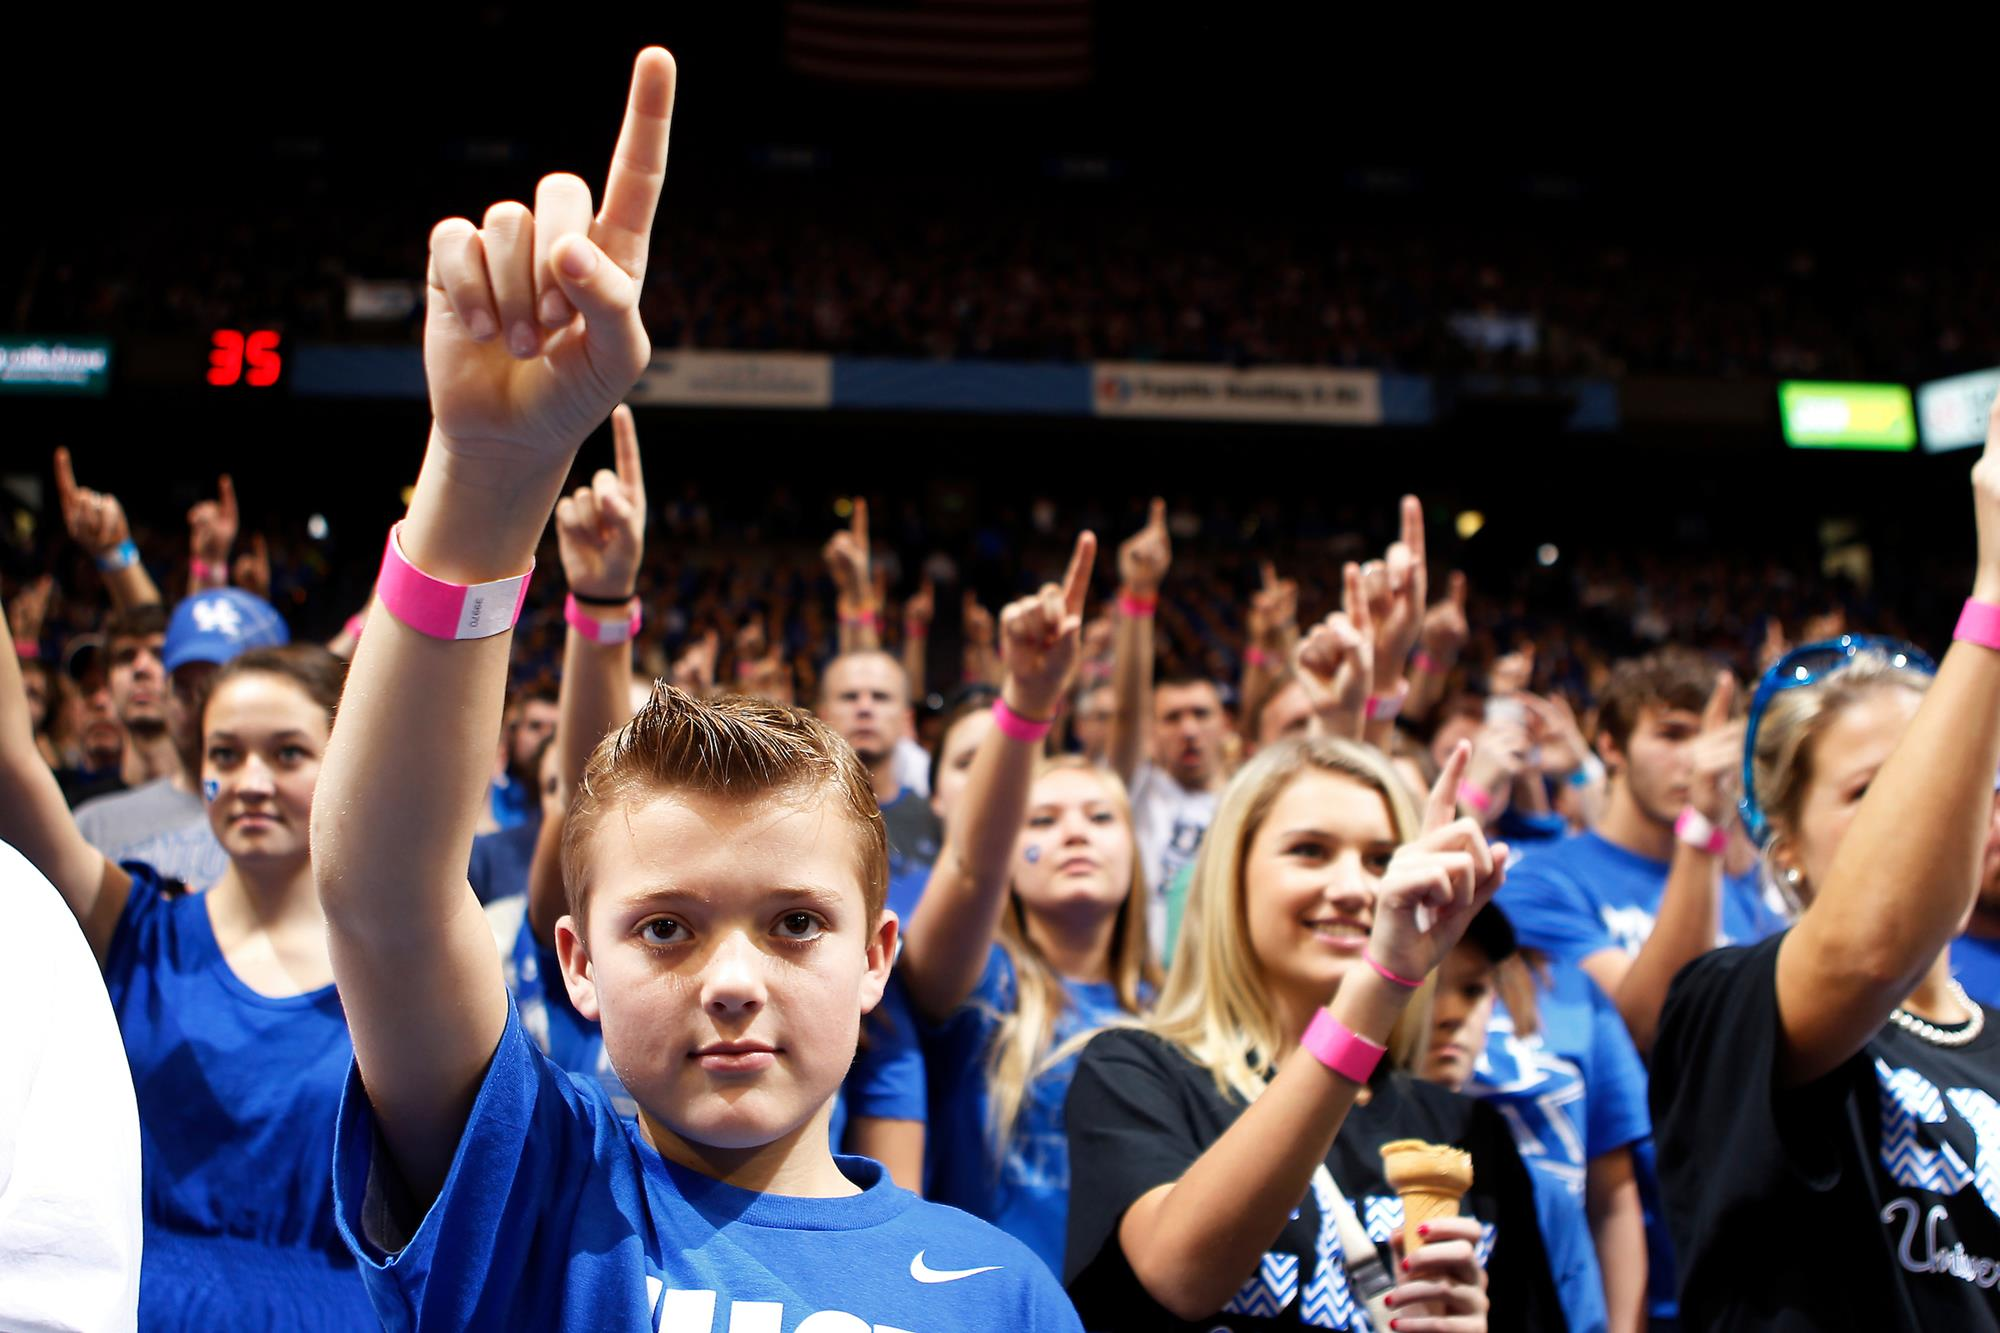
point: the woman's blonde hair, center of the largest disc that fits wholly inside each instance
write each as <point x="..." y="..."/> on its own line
<point x="1216" y="1005"/>
<point x="1022" y="1047"/>
<point x="1781" y="758"/>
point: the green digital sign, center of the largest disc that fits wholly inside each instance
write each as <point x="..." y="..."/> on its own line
<point x="54" y="365"/>
<point x="1821" y="415"/>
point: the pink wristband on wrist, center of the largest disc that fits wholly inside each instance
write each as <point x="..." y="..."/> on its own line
<point x="1256" y="657"/>
<point x="1345" y="1052"/>
<point x="447" y="610"/>
<point x="27" y="650"/>
<point x="1387" y="975"/>
<point x="1384" y="707"/>
<point x="1017" y="728"/>
<point x="610" y="633"/>
<point x="1424" y="662"/>
<point x="202" y="569"/>
<point x="1134" y="607"/>
<point x="1979" y="623"/>
<point x="1695" y="829"/>
<point x="1472" y="795"/>
<point x="914" y="629"/>
<point x="872" y="619"/>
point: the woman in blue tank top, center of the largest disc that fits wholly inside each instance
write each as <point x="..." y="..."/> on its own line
<point x="225" y="1001"/>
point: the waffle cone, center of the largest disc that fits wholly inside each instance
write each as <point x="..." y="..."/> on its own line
<point x="1430" y="1178"/>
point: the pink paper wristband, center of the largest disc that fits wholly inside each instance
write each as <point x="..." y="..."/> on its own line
<point x="1134" y="607"/>
<point x="1979" y="623"/>
<point x="1347" y="1054"/>
<point x="1474" y="797"/>
<point x="1017" y="728"/>
<point x="447" y="610"/>
<point x="609" y="633"/>
<point x="1695" y="829"/>
<point x="1385" y="707"/>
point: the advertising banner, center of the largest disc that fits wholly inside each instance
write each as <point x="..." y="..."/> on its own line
<point x="1819" y="415"/>
<point x="55" y="365"/>
<point x="1952" y="413"/>
<point x="1222" y="393"/>
<point x="799" y="380"/>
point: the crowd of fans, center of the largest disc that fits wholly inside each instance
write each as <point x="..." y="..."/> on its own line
<point x="1293" y="936"/>
<point x="857" y="270"/>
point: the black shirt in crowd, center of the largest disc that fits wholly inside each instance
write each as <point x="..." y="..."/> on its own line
<point x="1140" y="1112"/>
<point x="1868" y="1199"/>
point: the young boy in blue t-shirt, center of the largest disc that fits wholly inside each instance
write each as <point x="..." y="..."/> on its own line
<point x="725" y="864"/>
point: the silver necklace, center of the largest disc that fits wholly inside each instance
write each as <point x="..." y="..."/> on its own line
<point x="1936" y="1035"/>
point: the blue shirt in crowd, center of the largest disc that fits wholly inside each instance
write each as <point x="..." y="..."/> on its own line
<point x="1583" y="895"/>
<point x="501" y="862"/>
<point x="1976" y="964"/>
<point x="237" y="1094"/>
<point x="1572" y="1091"/>
<point x="1026" y="1192"/>
<point x="557" y="1214"/>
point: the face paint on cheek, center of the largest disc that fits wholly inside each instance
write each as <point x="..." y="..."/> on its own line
<point x="210" y="789"/>
<point x="1033" y="854"/>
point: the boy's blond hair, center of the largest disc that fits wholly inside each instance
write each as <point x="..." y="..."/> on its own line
<point x="744" y="749"/>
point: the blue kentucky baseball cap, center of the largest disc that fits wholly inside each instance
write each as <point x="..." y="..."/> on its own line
<point x="216" y="625"/>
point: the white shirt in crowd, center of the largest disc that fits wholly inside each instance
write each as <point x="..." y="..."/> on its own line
<point x="913" y="767"/>
<point x="69" y="1124"/>
<point x="1169" y="820"/>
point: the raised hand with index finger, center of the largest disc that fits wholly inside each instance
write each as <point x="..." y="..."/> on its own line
<point x="1435" y="883"/>
<point x="1040" y="634"/>
<point x="1398" y="588"/>
<point x="508" y="383"/>
<point x="1144" y="556"/>
<point x="601" y="528"/>
<point x="846" y="555"/>
<point x="95" y="519"/>
<point x="212" y="526"/>
<point x="1335" y="662"/>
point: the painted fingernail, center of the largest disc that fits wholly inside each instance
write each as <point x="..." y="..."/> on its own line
<point x="1395" y="1323"/>
<point x="1389" y="1301"/>
<point x="1406" y="1265"/>
<point x="555" y="310"/>
<point x="481" y="326"/>
<point x="1424" y="1230"/>
<point x="522" y="340"/>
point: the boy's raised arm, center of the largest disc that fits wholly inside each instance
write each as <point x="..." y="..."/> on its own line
<point x="532" y="336"/>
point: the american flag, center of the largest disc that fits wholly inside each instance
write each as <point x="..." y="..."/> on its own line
<point x="987" y="45"/>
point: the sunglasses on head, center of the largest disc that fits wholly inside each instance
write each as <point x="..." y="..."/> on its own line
<point x="1803" y="666"/>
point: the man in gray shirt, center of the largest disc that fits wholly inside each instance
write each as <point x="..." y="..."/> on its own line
<point x="164" y="822"/>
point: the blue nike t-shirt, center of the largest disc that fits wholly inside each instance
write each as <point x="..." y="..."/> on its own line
<point x="1572" y="1091"/>
<point x="1026" y="1192"/>
<point x="1976" y="964"/>
<point x="237" y="1094"/>
<point x="1582" y="895"/>
<point x="557" y="1214"/>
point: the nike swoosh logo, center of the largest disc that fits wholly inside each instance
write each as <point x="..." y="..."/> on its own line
<point x="922" y="1272"/>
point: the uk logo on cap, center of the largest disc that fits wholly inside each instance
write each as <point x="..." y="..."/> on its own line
<point x="216" y="625"/>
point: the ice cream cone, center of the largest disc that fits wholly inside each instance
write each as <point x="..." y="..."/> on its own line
<point x="1430" y="1178"/>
